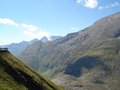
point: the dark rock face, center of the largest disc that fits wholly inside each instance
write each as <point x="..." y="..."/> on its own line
<point x="117" y="33"/>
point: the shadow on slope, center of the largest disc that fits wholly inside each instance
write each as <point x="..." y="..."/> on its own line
<point x="86" y="62"/>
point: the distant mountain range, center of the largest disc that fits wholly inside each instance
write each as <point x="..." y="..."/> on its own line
<point x="85" y="60"/>
<point x="54" y="37"/>
<point x="17" y="48"/>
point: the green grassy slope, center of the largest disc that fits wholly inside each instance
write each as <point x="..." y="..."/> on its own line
<point x="14" y="75"/>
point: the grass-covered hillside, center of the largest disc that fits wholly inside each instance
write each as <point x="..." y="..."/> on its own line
<point x="14" y="75"/>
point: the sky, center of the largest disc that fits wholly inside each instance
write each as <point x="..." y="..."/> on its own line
<point x="24" y="20"/>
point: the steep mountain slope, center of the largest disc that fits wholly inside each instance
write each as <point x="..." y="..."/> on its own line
<point x="14" y="75"/>
<point x="98" y="39"/>
<point x="92" y="55"/>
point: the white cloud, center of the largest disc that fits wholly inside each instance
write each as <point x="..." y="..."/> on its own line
<point x="29" y="27"/>
<point x="88" y="3"/>
<point x="78" y="1"/>
<point x="91" y="3"/>
<point x="33" y="31"/>
<point x="4" y="42"/>
<point x="115" y="4"/>
<point x="100" y="7"/>
<point x="36" y="34"/>
<point x="29" y="30"/>
<point x="8" y="21"/>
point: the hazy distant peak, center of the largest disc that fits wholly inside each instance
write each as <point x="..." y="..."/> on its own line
<point x="44" y="39"/>
<point x="55" y="37"/>
<point x="32" y="41"/>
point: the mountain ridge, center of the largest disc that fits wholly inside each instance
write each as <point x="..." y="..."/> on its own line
<point x="82" y="39"/>
<point x="17" y="48"/>
<point x="91" y="55"/>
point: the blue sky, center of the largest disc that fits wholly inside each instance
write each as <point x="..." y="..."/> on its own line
<point x="28" y="19"/>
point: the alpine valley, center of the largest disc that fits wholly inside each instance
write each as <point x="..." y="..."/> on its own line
<point x="84" y="60"/>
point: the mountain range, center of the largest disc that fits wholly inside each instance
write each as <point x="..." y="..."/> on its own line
<point x="85" y="60"/>
<point x="17" y="48"/>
